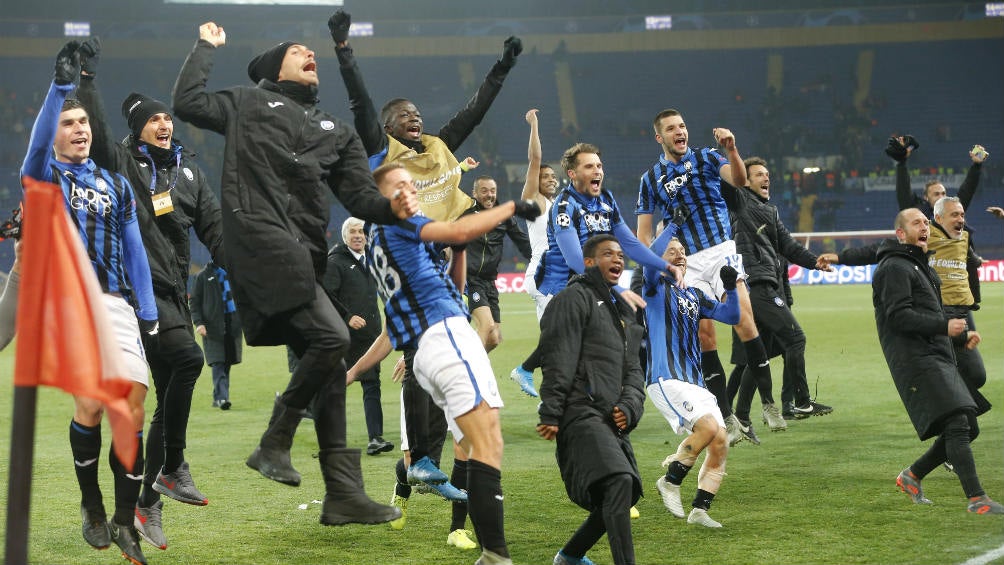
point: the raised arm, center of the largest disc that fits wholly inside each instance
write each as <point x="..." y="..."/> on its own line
<point x="967" y="190"/>
<point x="43" y="133"/>
<point x="734" y="174"/>
<point x="191" y="101"/>
<point x="470" y="226"/>
<point x="104" y="150"/>
<point x="463" y="123"/>
<point x="534" y="156"/>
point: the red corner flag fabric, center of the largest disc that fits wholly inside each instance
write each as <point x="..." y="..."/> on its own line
<point x="64" y="338"/>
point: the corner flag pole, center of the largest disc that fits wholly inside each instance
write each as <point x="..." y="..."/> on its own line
<point x="22" y="453"/>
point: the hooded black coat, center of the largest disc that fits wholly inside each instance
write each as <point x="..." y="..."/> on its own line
<point x="590" y="364"/>
<point x="283" y="156"/>
<point x="913" y="333"/>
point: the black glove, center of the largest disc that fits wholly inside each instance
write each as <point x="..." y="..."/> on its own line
<point x="90" y="54"/>
<point x="896" y="150"/>
<point x="338" y="25"/>
<point x="911" y="142"/>
<point x="67" y="64"/>
<point x="729" y="276"/>
<point x="680" y="215"/>
<point x="511" y="49"/>
<point x="527" y="209"/>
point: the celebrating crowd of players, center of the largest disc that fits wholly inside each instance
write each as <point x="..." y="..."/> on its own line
<point x="718" y="252"/>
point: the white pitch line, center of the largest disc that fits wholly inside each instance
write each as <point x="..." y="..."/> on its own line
<point x="987" y="557"/>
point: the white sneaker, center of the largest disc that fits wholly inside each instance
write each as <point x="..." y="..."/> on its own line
<point x="700" y="516"/>
<point x="670" y="496"/>
<point x="732" y="428"/>
<point x="772" y="417"/>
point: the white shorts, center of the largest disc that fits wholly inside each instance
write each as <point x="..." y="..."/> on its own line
<point x="452" y="366"/>
<point x="683" y="404"/>
<point x="530" y="286"/>
<point x="704" y="268"/>
<point x="122" y="319"/>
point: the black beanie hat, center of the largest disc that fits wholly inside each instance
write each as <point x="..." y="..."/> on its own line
<point x="267" y="64"/>
<point x="137" y="109"/>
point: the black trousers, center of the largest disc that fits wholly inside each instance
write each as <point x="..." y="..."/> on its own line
<point x="318" y="336"/>
<point x="176" y="362"/>
<point x="424" y="420"/>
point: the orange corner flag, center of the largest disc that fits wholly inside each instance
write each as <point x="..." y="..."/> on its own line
<point x="64" y="338"/>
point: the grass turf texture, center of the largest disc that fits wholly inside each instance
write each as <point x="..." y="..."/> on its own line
<point x="822" y="492"/>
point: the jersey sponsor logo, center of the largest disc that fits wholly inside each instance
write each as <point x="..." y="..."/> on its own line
<point x="672" y="186"/>
<point x="597" y="222"/>
<point x="90" y="200"/>
<point x="687" y="306"/>
<point x="327" y="125"/>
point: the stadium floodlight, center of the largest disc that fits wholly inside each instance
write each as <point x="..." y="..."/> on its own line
<point x="76" y="29"/>
<point x="810" y="170"/>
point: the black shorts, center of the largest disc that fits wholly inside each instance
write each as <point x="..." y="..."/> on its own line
<point x="774" y="320"/>
<point x="481" y="292"/>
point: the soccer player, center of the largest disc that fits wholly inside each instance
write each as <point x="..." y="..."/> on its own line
<point x="277" y="173"/>
<point x="582" y="209"/>
<point x="483" y="257"/>
<point x="700" y="182"/>
<point x="916" y="342"/>
<point x="398" y="132"/>
<point x="102" y="206"/>
<point x="591" y="399"/>
<point x="541" y="186"/>
<point x="424" y="309"/>
<point x="674" y="380"/>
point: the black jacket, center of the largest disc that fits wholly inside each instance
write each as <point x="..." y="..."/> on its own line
<point x="282" y="156"/>
<point x="165" y="237"/>
<point x="453" y="134"/>
<point x="222" y="342"/>
<point x="354" y="293"/>
<point x="913" y="333"/>
<point x="764" y="242"/>
<point x="590" y="364"/>
<point x="485" y="253"/>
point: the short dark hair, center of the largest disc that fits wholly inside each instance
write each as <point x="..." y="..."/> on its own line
<point x="664" y="114"/>
<point x="72" y="104"/>
<point x="481" y="178"/>
<point x="388" y="109"/>
<point x="380" y="172"/>
<point x="750" y="161"/>
<point x="589" y="248"/>
<point x="571" y="155"/>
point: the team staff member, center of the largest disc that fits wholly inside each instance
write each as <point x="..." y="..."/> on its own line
<point x="217" y="321"/>
<point x="483" y="257"/>
<point x="766" y="246"/>
<point x="174" y="199"/>
<point x="915" y="339"/>
<point x="354" y="295"/>
<point x="102" y="207"/>
<point x="282" y="155"/>
<point x="398" y="132"/>
<point x="591" y="399"/>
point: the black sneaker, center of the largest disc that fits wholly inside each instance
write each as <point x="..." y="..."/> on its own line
<point x="812" y="408"/>
<point x="95" y="527"/>
<point x="746" y="428"/>
<point x="128" y="541"/>
<point x="378" y="445"/>
<point x="788" y="412"/>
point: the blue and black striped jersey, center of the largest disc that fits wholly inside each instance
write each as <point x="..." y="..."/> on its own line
<point x="416" y="289"/>
<point x="694" y="182"/>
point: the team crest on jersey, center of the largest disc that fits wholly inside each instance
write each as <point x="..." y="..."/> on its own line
<point x="101" y="185"/>
<point x="563" y="220"/>
<point x="688" y="166"/>
<point x="778" y="302"/>
<point x="476" y="296"/>
<point x="688" y="406"/>
<point x="327" y="125"/>
<point x="188" y="174"/>
<point x="597" y="222"/>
